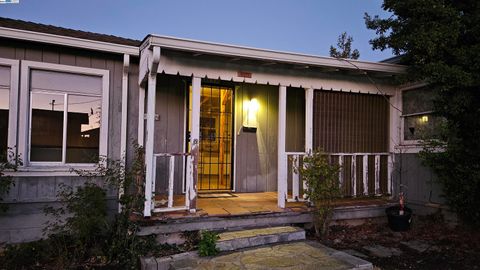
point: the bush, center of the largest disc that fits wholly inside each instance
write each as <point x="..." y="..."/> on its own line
<point x="9" y="161"/>
<point x="323" y="188"/>
<point x="80" y="233"/>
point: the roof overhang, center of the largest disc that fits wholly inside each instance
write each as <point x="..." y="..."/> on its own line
<point x="202" y="47"/>
<point x="68" y="41"/>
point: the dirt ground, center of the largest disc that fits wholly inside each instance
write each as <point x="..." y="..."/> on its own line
<point x="444" y="246"/>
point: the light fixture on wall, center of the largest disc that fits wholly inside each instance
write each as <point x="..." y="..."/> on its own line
<point x="424" y="119"/>
<point x="250" y="109"/>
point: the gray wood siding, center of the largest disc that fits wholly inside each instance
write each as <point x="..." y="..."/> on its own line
<point x="256" y="160"/>
<point x="295" y="123"/>
<point x="420" y="183"/>
<point x="169" y="128"/>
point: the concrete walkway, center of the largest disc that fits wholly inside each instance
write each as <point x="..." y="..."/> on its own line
<point x="295" y="255"/>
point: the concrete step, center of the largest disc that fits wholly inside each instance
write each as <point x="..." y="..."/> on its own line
<point x="233" y="240"/>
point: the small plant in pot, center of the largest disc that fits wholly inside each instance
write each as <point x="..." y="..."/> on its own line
<point x="399" y="216"/>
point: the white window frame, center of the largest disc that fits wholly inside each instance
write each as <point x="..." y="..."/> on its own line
<point x="410" y="146"/>
<point x="13" y="101"/>
<point x="25" y="112"/>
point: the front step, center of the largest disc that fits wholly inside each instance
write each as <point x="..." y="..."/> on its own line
<point x="233" y="240"/>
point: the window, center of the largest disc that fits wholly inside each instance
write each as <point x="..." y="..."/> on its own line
<point x="4" y="109"/>
<point x="65" y="124"/>
<point x="419" y="121"/>
<point x="8" y="109"/>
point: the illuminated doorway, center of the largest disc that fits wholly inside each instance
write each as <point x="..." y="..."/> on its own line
<point x="216" y="138"/>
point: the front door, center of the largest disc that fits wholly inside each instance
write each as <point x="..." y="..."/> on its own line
<point x="216" y="138"/>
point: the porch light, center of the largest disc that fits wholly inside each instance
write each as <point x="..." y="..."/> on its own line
<point x="424" y="119"/>
<point x="250" y="109"/>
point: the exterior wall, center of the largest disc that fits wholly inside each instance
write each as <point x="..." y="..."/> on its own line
<point x="418" y="182"/>
<point x="256" y="153"/>
<point x="35" y="190"/>
<point x="295" y="133"/>
<point x="170" y="128"/>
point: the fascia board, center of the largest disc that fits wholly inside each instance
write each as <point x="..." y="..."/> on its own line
<point x="267" y="55"/>
<point x="68" y="41"/>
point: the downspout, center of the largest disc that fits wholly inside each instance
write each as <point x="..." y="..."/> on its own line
<point x="123" y="131"/>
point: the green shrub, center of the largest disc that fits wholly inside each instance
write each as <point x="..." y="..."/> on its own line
<point x="323" y="188"/>
<point x="82" y="235"/>
<point x="207" y="245"/>
<point x="9" y="161"/>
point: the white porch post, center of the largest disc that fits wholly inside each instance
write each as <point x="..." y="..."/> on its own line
<point x="282" y="157"/>
<point x="152" y="87"/>
<point x="123" y="132"/>
<point x="141" y="115"/>
<point x="308" y="127"/>
<point x="308" y="120"/>
<point x="192" y="172"/>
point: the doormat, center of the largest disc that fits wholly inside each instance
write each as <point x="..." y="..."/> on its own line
<point x="216" y="195"/>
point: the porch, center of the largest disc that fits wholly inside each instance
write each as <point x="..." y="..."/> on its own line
<point x="240" y="134"/>
<point x="249" y="210"/>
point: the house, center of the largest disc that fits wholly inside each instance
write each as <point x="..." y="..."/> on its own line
<point x="211" y="117"/>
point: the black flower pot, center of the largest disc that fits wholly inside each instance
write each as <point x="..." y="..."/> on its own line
<point x="397" y="222"/>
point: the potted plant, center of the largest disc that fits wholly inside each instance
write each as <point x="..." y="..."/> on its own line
<point x="399" y="216"/>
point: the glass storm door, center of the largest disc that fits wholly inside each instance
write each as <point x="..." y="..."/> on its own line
<point x="216" y="140"/>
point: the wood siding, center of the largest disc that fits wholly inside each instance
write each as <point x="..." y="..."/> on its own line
<point x="256" y="153"/>
<point x="295" y="126"/>
<point x="350" y="123"/>
<point x="169" y="128"/>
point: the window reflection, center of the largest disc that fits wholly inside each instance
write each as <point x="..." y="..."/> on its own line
<point x="46" y="127"/>
<point x="4" y="108"/>
<point x="83" y="129"/>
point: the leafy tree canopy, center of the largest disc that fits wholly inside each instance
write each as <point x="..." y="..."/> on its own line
<point x="440" y="43"/>
<point x="344" y="48"/>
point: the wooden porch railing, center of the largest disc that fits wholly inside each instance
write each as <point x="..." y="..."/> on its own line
<point x="361" y="174"/>
<point x="171" y="181"/>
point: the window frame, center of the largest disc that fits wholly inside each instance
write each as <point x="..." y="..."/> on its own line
<point x="26" y="108"/>
<point x="413" y="145"/>
<point x="13" y="103"/>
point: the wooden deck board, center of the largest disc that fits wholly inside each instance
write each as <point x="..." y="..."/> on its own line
<point x="254" y="203"/>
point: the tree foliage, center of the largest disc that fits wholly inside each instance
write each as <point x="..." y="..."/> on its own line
<point x="439" y="40"/>
<point x="344" y="48"/>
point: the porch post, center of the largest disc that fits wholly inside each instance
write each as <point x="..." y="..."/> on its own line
<point x="194" y="145"/>
<point x="282" y="157"/>
<point x="308" y="120"/>
<point x="152" y="87"/>
<point x="141" y="115"/>
<point x="308" y="127"/>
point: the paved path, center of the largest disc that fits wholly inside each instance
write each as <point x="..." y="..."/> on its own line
<point x="296" y="255"/>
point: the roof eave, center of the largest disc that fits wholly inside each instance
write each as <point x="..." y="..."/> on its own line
<point x="267" y="55"/>
<point x="68" y="41"/>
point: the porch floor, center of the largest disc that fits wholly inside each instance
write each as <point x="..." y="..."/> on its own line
<point x="253" y="203"/>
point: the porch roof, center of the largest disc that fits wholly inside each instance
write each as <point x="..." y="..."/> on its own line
<point x="197" y="47"/>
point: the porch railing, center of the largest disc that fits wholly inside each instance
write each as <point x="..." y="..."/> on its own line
<point x="171" y="157"/>
<point x="361" y="174"/>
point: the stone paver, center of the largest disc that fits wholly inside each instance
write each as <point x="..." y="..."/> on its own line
<point x="417" y="245"/>
<point x="382" y="252"/>
<point x="298" y="255"/>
